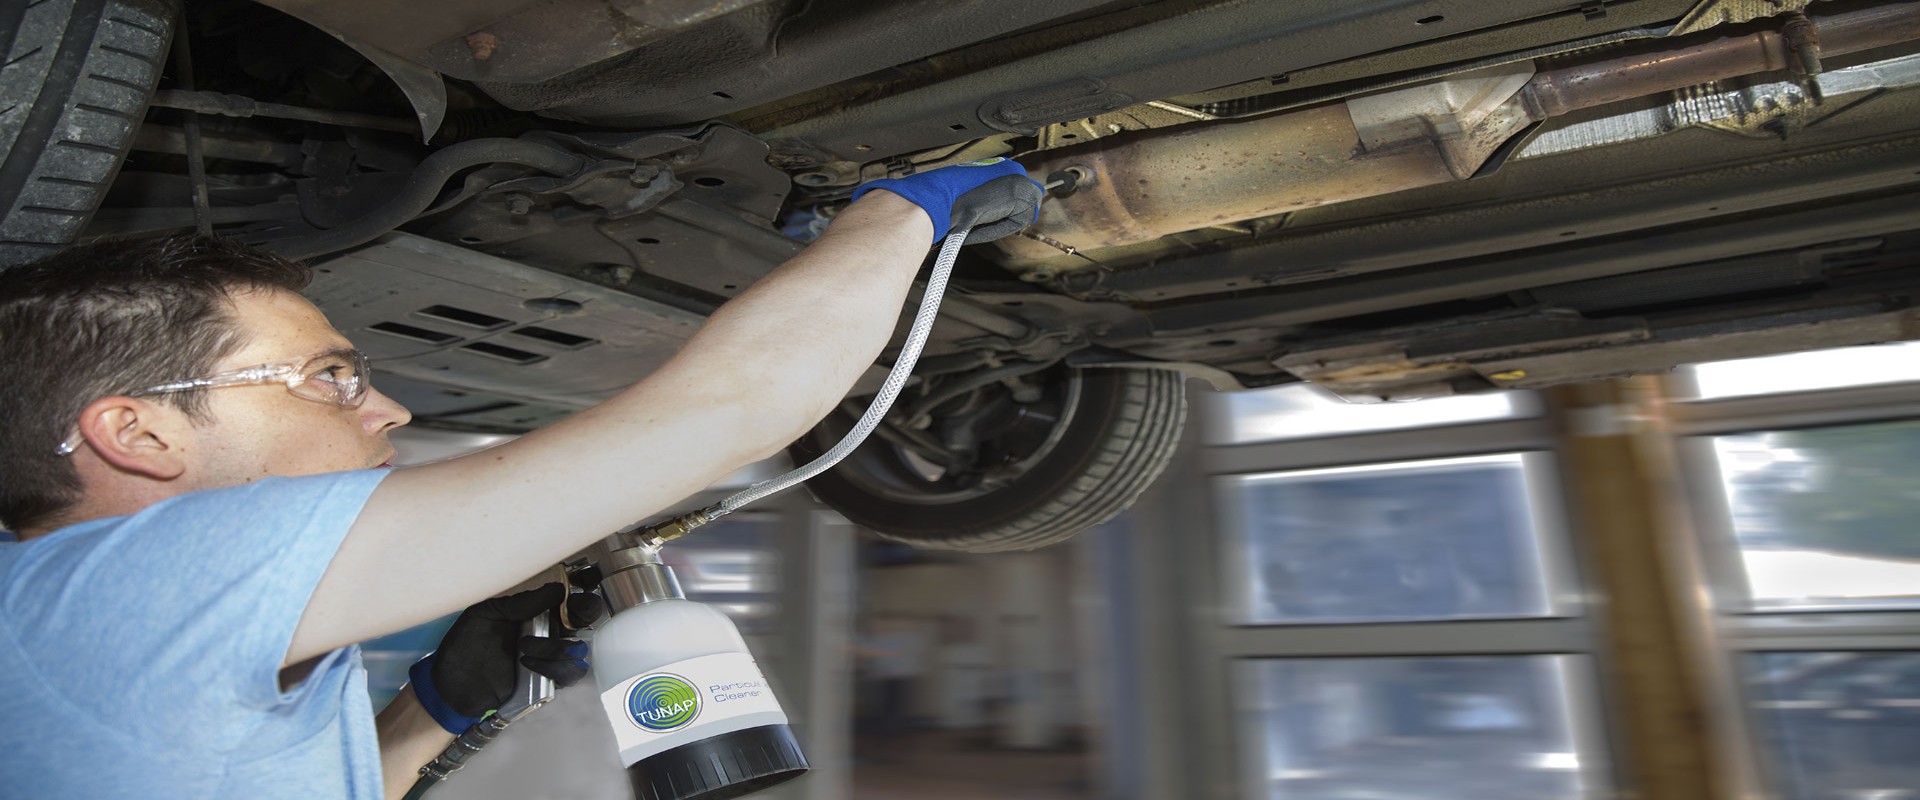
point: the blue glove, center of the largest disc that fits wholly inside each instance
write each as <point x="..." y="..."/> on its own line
<point x="476" y="667"/>
<point x="993" y="197"/>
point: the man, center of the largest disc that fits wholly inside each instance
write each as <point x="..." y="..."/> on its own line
<point x="189" y="462"/>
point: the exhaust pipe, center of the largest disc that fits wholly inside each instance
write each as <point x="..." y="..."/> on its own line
<point x="1141" y="187"/>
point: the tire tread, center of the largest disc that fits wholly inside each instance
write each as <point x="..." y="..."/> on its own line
<point x="75" y="76"/>
<point x="1133" y="450"/>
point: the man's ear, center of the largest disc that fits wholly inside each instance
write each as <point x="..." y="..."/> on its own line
<point x="136" y="436"/>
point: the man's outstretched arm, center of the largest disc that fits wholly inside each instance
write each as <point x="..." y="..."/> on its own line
<point x="765" y="368"/>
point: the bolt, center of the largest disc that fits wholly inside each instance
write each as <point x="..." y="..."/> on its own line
<point x="813" y="179"/>
<point x="519" y="204"/>
<point x="482" y="45"/>
<point x="1804" y="40"/>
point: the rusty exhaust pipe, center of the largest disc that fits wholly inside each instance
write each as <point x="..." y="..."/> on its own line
<point x="1141" y="187"/>
<point x="1597" y="83"/>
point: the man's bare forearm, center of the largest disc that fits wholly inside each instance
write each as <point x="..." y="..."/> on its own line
<point x="767" y="366"/>
<point x="409" y="738"/>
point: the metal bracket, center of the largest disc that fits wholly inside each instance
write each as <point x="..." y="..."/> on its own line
<point x="1713" y="13"/>
<point x="424" y="88"/>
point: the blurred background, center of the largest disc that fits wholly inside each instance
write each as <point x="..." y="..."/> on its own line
<point x="1702" y="585"/>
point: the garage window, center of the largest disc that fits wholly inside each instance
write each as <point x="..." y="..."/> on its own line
<point x="1806" y="483"/>
<point x="1443" y="539"/>
<point x="1825" y="518"/>
<point x="1838" y="724"/>
<point x="1400" y="616"/>
<point x="1471" y="728"/>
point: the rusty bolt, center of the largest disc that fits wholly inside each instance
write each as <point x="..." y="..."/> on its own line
<point x="483" y="45"/>
<point x="1803" y="39"/>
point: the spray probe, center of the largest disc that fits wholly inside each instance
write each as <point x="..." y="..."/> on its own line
<point x="693" y="716"/>
<point x="727" y="764"/>
<point x="982" y="211"/>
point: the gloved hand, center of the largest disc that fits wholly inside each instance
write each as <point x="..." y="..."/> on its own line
<point x="475" y="669"/>
<point x="994" y="197"/>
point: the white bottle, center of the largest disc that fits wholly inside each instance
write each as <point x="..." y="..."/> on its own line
<point x="691" y="712"/>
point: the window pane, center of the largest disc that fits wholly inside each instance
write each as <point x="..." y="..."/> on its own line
<point x="1839" y="725"/>
<point x="1826" y="517"/>
<point x="1430" y="540"/>
<point x="1801" y="372"/>
<point x="1303" y="410"/>
<point x="1409" y="729"/>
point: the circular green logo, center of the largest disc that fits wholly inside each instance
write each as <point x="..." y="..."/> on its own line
<point x="663" y="702"/>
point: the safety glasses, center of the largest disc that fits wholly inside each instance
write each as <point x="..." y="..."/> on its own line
<point x="337" y="377"/>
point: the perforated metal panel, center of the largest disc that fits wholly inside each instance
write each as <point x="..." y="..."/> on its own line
<point x="444" y="315"/>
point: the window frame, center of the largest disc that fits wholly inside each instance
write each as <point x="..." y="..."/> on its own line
<point x="1574" y="675"/>
<point x="1743" y="630"/>
<point x="1217" y="764"/>
<point x="1546" y="514"/>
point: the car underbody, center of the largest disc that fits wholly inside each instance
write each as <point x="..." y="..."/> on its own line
<point x="518" y="208"/>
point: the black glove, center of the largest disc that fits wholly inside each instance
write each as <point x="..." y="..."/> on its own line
<point x="476" y="667"/>
<point x="998" y="208"/>
<point x="993" y="196"/>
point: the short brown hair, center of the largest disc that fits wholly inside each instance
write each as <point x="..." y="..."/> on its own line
<point x="109" y="318"/>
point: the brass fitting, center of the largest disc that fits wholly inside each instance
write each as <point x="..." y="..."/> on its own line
<point x="653" y="536"/>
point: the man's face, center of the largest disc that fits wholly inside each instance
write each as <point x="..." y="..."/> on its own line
<point x="263" y="431"/>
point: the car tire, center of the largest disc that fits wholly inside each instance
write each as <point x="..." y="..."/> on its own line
<point x="74" y="83"/>
<point x="1117" y="435"/>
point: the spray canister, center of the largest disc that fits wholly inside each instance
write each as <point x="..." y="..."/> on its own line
<point x="691" y="712"/>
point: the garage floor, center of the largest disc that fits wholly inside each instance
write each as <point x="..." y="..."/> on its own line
<point x="950" y="765"/>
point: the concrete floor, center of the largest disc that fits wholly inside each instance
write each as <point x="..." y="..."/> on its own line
<point x="961" y="765"/>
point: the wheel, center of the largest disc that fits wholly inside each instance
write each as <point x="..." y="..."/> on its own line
<point x="75" y="80"/>
<point x="1006" y="468"/>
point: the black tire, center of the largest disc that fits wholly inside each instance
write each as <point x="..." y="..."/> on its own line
<point x="75" y="80"/>
<point x="1116" y="435"/>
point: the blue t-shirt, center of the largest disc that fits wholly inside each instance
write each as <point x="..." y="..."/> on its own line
<point x="140" y="655"/>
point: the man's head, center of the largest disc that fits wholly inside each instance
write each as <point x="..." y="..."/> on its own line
<point x="83" y="332"/>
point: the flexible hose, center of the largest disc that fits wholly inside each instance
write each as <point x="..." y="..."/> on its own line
<point x="421" y="787"/>
<point x="423" y="187"/>
<point x="896" y="379"/>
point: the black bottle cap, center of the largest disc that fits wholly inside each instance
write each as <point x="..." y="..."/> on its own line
<point x="720" y="767"/>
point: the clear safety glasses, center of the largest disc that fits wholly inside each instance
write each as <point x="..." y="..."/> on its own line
<point x="339" y="377"/>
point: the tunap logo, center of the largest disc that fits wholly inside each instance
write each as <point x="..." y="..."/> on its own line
<point x="663" y="702"/>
